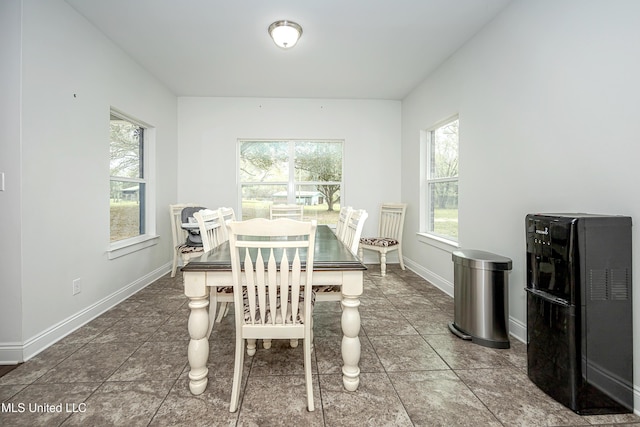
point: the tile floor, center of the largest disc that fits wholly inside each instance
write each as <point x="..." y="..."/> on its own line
<point x="129" y="367"/>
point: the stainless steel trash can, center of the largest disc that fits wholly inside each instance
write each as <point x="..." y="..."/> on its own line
<point x="481" y="297"/>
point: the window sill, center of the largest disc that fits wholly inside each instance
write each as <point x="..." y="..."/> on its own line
<point x="128" y="246"/>
<point x="438" y="242"/>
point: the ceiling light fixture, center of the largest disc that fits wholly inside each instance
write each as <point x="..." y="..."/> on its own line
<point x="285" y="33"/>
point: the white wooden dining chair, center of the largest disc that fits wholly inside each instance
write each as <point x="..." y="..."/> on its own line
<point x="272" y="261"/>
<point x="226" y="215"/>
<point x="286" y="211"/>
<point x="353" y="229"/>
<point x="343" y="217"/>
<point x="389" y="236"/>
<point x="179" y="235"/>
<point x="213" y="229"/>
<point x="225" y="293"/>
<point x="350" y="238"/>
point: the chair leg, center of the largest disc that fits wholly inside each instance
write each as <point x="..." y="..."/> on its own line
<point x="174" y="267"/>
<point x="307" y="372"/>
<point x="237" y="374"/>
<point x="383" y="264"/>
<point x="224" y="309"/>
<point x="266" y="344"/>
<point x="251" y="347"/>
<point x="311" y="333"/>
<point x="213" y="305"/>
<point x="400" y="258"/>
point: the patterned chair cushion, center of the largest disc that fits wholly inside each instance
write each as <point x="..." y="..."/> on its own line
<point x="300" y="316"/>
<point x="224" y="289"/>
<point x="184" y="249"/>
<point x="327" y="288"/>
<point x="379" y="241"/>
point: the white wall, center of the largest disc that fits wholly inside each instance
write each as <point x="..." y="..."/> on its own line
<point x="548" y="102"/>
<point x="71" y="76"/>
<point x="10" y="241"/>
<point x="209" y="129"/>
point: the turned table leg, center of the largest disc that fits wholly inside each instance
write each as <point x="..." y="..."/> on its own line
<point x="350" y="342"/>
<point x="198" y="351"/>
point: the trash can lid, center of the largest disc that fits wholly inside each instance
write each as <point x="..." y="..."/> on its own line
<point x="481" y="260"/>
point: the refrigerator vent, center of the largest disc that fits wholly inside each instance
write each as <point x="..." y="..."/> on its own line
<point x="620" y="284"/>
<point x="598" y="282"/>
<point x="610" y="284"/>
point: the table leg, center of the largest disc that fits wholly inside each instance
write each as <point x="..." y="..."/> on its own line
<point x="350" y="342"/>
<point x="198" y="351"/>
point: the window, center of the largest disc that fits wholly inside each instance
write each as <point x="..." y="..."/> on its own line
<point x="128" y="195"/>
<point x="441" y="179"/>
<point x="299" y="172"/>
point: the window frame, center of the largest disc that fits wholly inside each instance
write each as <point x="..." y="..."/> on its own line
<point x="149" y="238"/>
<point x="427" y="233"/>
<point x="291" y="184"/>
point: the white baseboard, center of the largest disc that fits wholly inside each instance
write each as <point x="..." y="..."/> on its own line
<point x="517" y="330"/>
<point x="10" y="353"/>
<point x="438" y="281"/>
<point x="14" y="353"/>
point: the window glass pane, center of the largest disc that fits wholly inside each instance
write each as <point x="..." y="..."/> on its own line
<point x="256" y="199"/>
<point x="127" y="198"/>
<point x="443" y="198"/>
<point x="318" y="161"/>
<point x="444" y="151"/>
<point x="126" y="149"/>
<point x="263" y="161"/>
<point x="315" y="202"/>
<point x="126" y="211"/>
<point x="312" y="168"/>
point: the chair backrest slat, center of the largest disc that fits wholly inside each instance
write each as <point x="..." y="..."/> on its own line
<point x="284" y="285"/>
<point x="250" y="285"/>
<point x="296" y="273"/>
<point x="392" y="220"/>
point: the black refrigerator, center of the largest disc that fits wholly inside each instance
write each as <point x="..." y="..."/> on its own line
<point x="579" y="310"/>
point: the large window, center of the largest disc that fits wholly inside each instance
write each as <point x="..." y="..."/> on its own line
<point x="128" y="201"/>
<point x="306" y="173"/>
<point x="441" y="179"/>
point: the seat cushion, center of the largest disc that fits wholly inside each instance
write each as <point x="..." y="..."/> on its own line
<point x="328" y="288"/>
<point x="300" y="316"/>
<point x="184" y="249"/>
<point x="379" y="241"/>
<point x="224" y="289"/>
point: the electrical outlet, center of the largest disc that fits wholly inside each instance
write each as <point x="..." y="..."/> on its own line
<point x="76" y="287"/>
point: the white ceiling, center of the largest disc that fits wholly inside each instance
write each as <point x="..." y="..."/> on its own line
<point x="352" y="49"/>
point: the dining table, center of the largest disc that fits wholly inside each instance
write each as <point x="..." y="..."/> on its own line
<point x="334" y="266"/>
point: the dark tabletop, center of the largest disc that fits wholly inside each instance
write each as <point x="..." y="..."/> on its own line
<point x="330" y="254"/>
